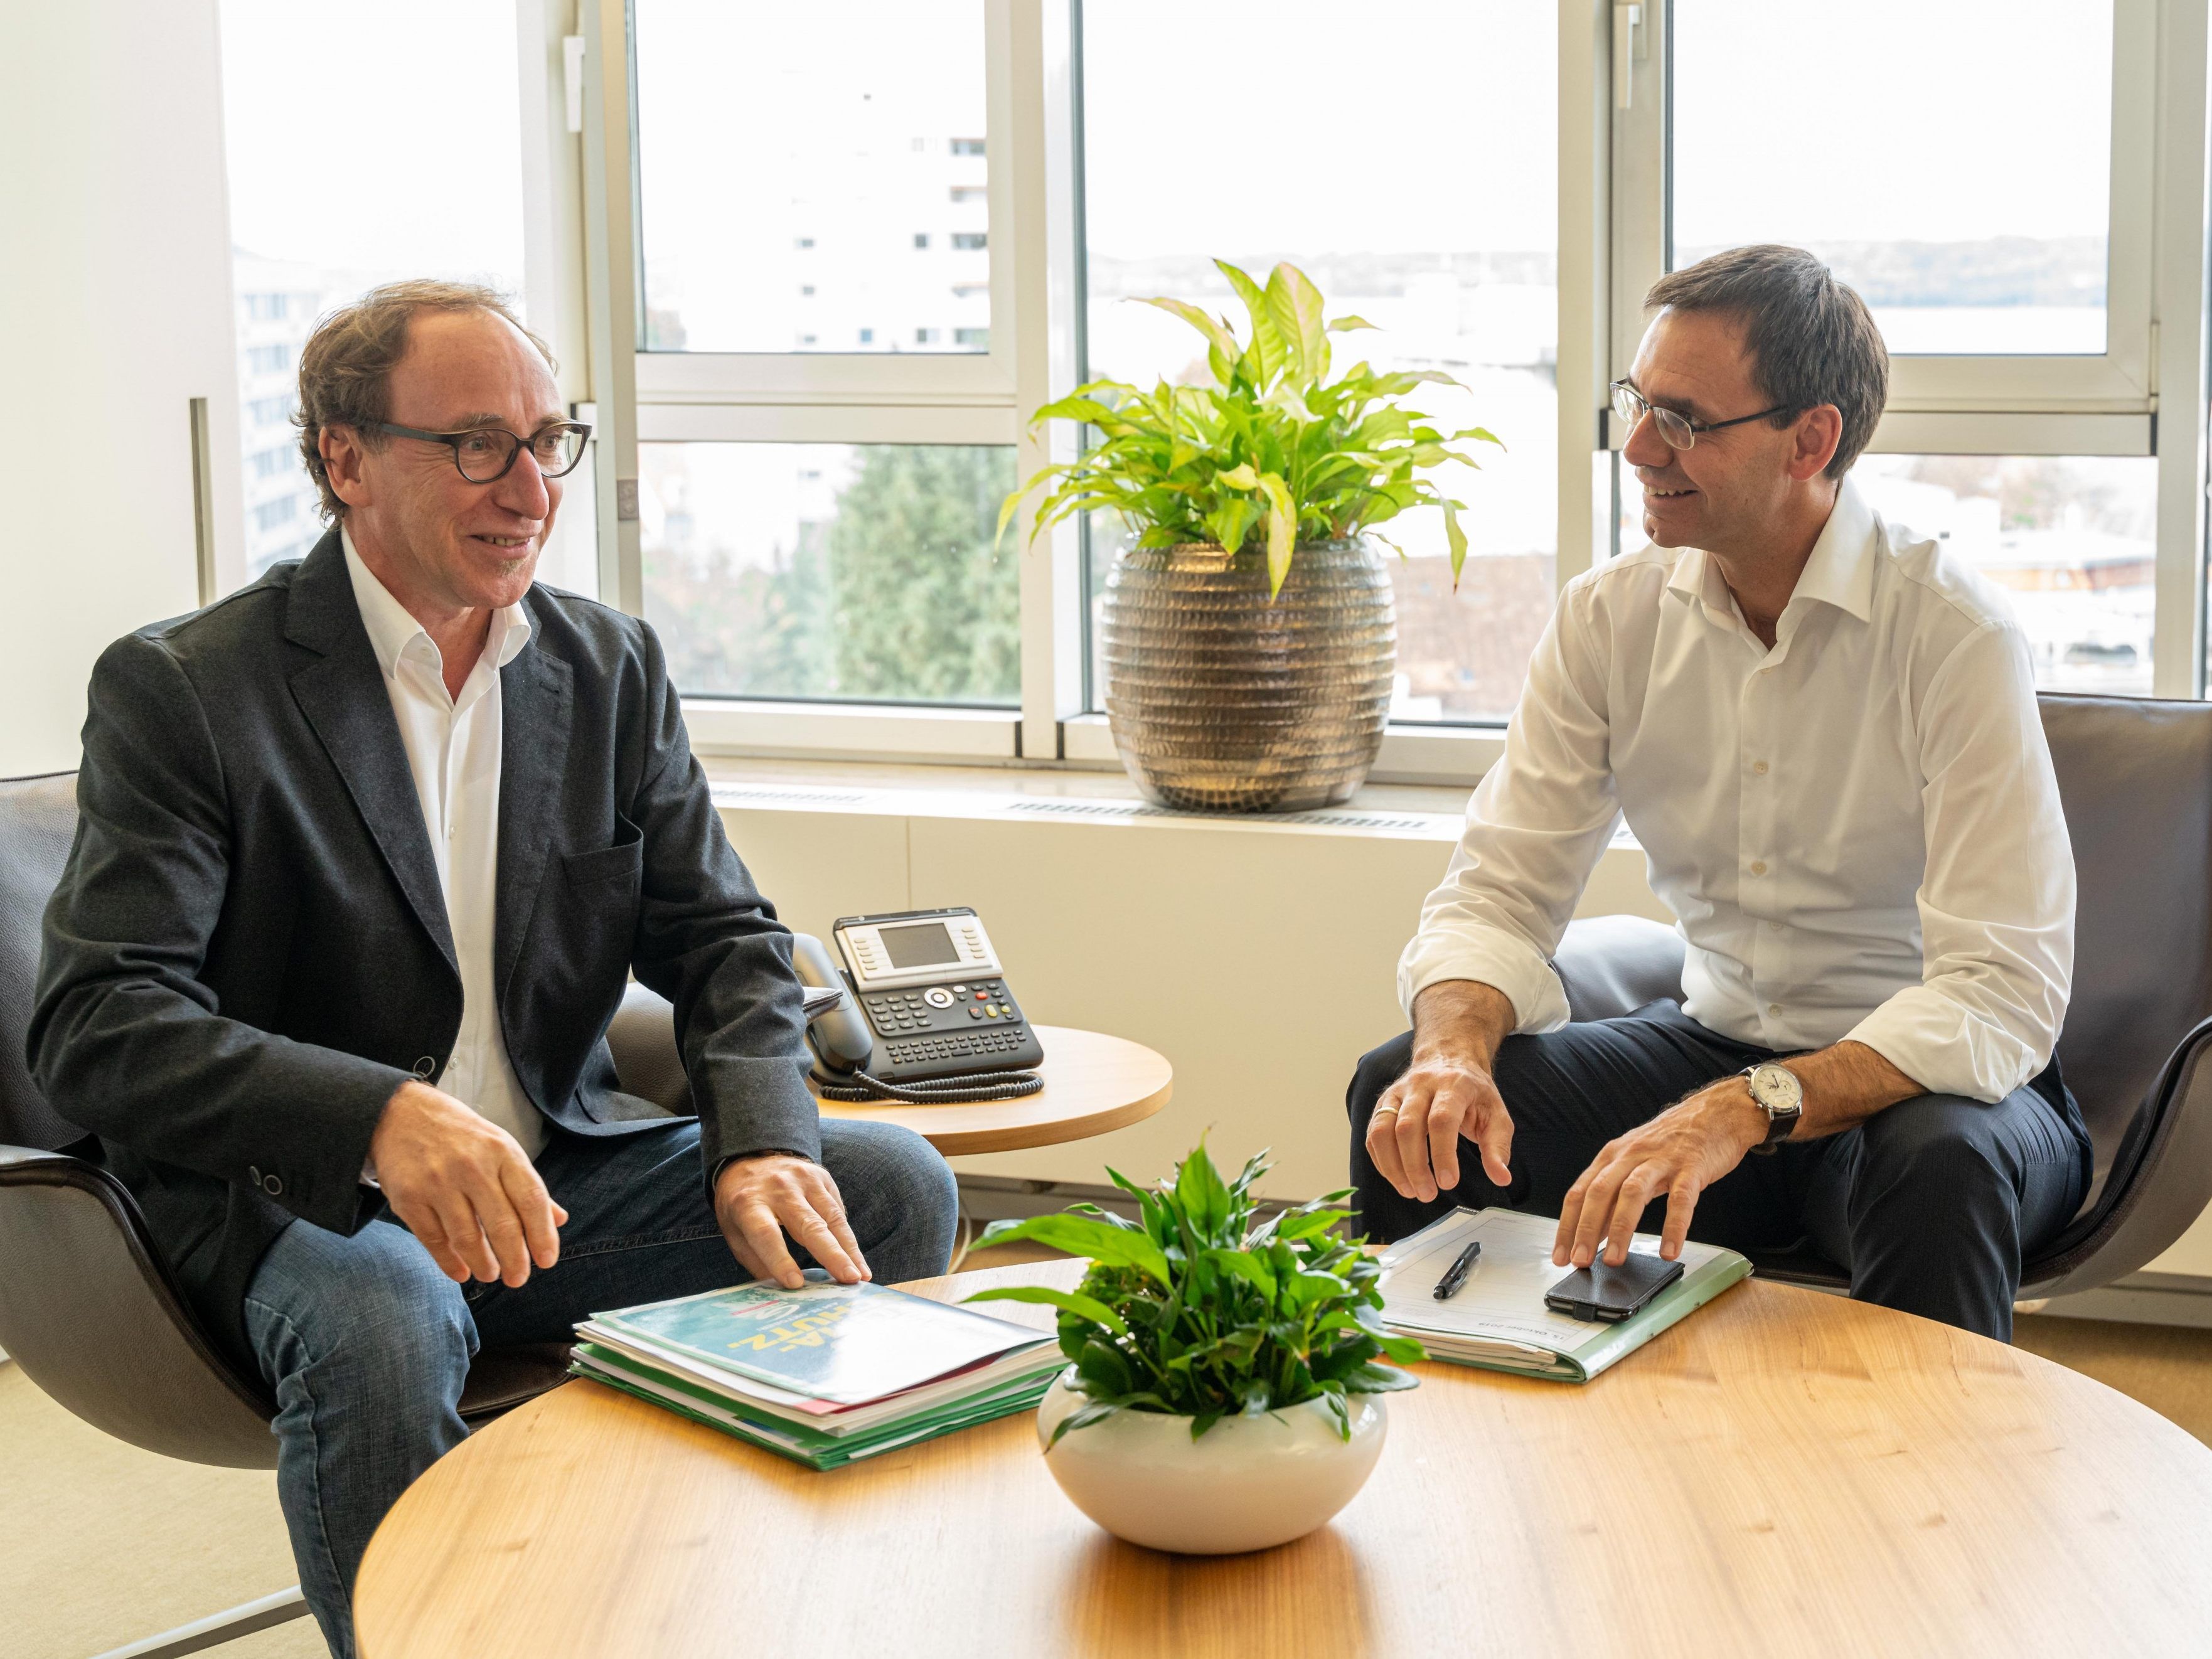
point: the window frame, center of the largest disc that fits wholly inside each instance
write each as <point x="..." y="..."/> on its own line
<point x="1612" y="172"/>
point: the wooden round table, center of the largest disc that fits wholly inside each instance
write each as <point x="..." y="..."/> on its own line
<point x="1093" y="1083"/>
<point x="1785" y="1473"/>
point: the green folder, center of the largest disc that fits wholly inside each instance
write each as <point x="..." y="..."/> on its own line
<point x="1499" y="1321"/>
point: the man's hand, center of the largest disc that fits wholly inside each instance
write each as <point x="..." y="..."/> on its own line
<point x="463" y="1187"/>
<point x="759" y="1199"/>
<point x="1679" y="1153"/>
<point x="1414" y="1136"/>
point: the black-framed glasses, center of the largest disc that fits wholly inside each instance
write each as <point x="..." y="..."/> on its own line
<point x="485" y="454"/>
<point x="1676" y="429"/>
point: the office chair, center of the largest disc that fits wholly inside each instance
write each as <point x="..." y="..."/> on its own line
<point x="88" y="1307"/>
<point x="2134" y="778"/>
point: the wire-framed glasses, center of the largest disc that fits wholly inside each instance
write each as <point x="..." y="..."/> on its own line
<point x="1676" y="429"/>
<point x="486" y="453"/>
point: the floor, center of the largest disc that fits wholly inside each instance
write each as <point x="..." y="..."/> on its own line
<point x="101" y="1544"/>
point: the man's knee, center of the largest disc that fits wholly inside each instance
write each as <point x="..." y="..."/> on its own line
<point x="1378" y="1070"/>
<point x="1939" y="1154"/>
<point x="900" y="1196"/>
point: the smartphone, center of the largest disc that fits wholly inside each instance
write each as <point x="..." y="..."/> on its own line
<point x="1609" y="1295"/>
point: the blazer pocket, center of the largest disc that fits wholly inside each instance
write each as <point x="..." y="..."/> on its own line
<point x="620" y="862"/>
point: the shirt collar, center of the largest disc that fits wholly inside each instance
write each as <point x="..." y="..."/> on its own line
<point x="393" y="630"/>
<point x="1839" y="572"/>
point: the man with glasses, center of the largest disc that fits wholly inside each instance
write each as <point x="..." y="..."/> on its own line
<point x="1825" y="736"/>
<point x="368" y="853"/>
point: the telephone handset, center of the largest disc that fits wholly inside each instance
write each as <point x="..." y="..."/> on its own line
<point x="920" y="1012"/>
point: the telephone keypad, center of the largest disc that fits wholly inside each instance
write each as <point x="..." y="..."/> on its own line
<point x="973" y="1019"/>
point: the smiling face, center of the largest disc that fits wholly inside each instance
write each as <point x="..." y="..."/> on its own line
<point x="1727" y="492"/>
<point x="440" y="543"/>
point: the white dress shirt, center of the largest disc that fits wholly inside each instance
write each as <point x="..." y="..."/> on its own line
<point x="1858" y="831"/>
<point x="453" y="747"/>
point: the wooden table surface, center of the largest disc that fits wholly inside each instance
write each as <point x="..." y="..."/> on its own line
<point x="1093" y="1083"/>
<point x="1785" y="1473"/>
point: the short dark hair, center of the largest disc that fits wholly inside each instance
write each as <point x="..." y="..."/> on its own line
<point x="1811" y="339"/>
<point x="345" y="367"/>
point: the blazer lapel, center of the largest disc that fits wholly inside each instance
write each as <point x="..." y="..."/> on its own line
<point x="535" y="705"/>
<point x="343" y="698"/>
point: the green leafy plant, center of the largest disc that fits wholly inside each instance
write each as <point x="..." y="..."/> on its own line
<point x="1195" y="1311"/>
<point x="1274" y="447"/>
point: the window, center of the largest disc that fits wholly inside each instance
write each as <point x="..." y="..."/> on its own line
<point x="1974" y="213"/>
<point x="2003" y="233"/>
<point x="2015" y="199"/>
<point x="1461" y="279"/>
<point x="269" y="463"/>
<point x="839" y="571"/>
<point x="832" y="171"/>
<point x="296" y="259"/>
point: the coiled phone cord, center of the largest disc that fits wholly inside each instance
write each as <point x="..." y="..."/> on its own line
<point x="938" y="1091"/>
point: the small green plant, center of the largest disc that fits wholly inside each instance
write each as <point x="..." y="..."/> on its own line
<point x="1272" y="445"/>
<point x="1194" y="1311"/>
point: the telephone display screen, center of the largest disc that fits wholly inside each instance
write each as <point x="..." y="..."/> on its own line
<point x="919" y="946"/>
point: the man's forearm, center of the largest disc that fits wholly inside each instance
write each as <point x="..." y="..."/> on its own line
<point x="1462" y="1019"/>
<point x="1845" y="1084"/>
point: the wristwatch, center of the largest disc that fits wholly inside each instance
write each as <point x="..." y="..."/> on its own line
<point x="1776" y="1091"/>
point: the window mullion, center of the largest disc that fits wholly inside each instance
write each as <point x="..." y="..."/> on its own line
<point x="610" y="286"/>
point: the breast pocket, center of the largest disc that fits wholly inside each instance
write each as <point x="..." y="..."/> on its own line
<point x="607" y="866"/>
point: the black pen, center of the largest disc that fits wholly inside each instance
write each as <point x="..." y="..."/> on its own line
<point x="1456" y="1275"/>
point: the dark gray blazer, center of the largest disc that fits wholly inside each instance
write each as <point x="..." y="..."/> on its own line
<point x="248" y="951"/>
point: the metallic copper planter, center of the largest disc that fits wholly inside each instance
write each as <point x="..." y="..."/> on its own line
<point x="1222" y="702"/>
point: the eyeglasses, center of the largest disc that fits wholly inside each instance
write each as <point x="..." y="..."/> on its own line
<point x="486" y="453"/>
<point x="1676" y="429"/>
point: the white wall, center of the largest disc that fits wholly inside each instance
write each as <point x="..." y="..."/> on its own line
<point x="115" y="309"/>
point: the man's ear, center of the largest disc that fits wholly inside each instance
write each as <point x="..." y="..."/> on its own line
<point x="1814" y="441"/>
<point x="342" y="455"/>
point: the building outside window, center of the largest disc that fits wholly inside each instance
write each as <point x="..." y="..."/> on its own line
<point x="294" y="257"/>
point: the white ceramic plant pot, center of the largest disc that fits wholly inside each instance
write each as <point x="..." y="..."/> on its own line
<point x="1248" y="1483"/>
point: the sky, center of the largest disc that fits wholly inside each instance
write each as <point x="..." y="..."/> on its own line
<point x="1925" y="120"/>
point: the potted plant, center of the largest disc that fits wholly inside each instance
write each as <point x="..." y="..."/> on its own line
<point x="1250" y="635"/>
<point x="1220" y="1396"/>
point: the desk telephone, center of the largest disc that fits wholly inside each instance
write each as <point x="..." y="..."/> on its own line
<point x="920" y="1011"/>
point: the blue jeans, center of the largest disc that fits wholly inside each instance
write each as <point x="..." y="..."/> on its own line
<point x="1931" y="1205"/>
<point x="366" y="1344"/>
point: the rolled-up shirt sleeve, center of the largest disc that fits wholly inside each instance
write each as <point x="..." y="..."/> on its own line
<point x="1536" y="828"/>
<point x="1996" y="903"/>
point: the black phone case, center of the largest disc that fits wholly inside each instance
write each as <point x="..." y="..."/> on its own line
<point x="1609" y="1295"/>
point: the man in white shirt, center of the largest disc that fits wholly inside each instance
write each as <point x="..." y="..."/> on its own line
<point x="366" y="852"/>
<point x="1825" y="737"/>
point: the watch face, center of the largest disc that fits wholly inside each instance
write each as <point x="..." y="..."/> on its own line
<point x="1776" y="1089"/>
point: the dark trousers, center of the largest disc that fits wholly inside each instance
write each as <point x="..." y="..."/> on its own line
<point x="1930" y="1205"/>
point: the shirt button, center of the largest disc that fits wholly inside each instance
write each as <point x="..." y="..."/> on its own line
<point x="1774" y="926"/>
<point x="1760" y="767"/>
<point x="1759" y="866"/>
<point x="1774" y="1008"/>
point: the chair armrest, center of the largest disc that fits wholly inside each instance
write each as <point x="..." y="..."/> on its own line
<point x="648" y="1063"/>
<point x="2167" y="1188"/>
<point x="90" y="1311"/>
<point x="1612" y="965"/>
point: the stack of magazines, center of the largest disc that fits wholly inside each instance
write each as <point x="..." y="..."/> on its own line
<point x="823" y="1375"/>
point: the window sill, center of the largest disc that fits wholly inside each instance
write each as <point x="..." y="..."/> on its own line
<point x="1425" y="755"/>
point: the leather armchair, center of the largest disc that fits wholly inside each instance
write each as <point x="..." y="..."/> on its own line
<point x="88" y="1307"/>
<point x="2135" y="776"/>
